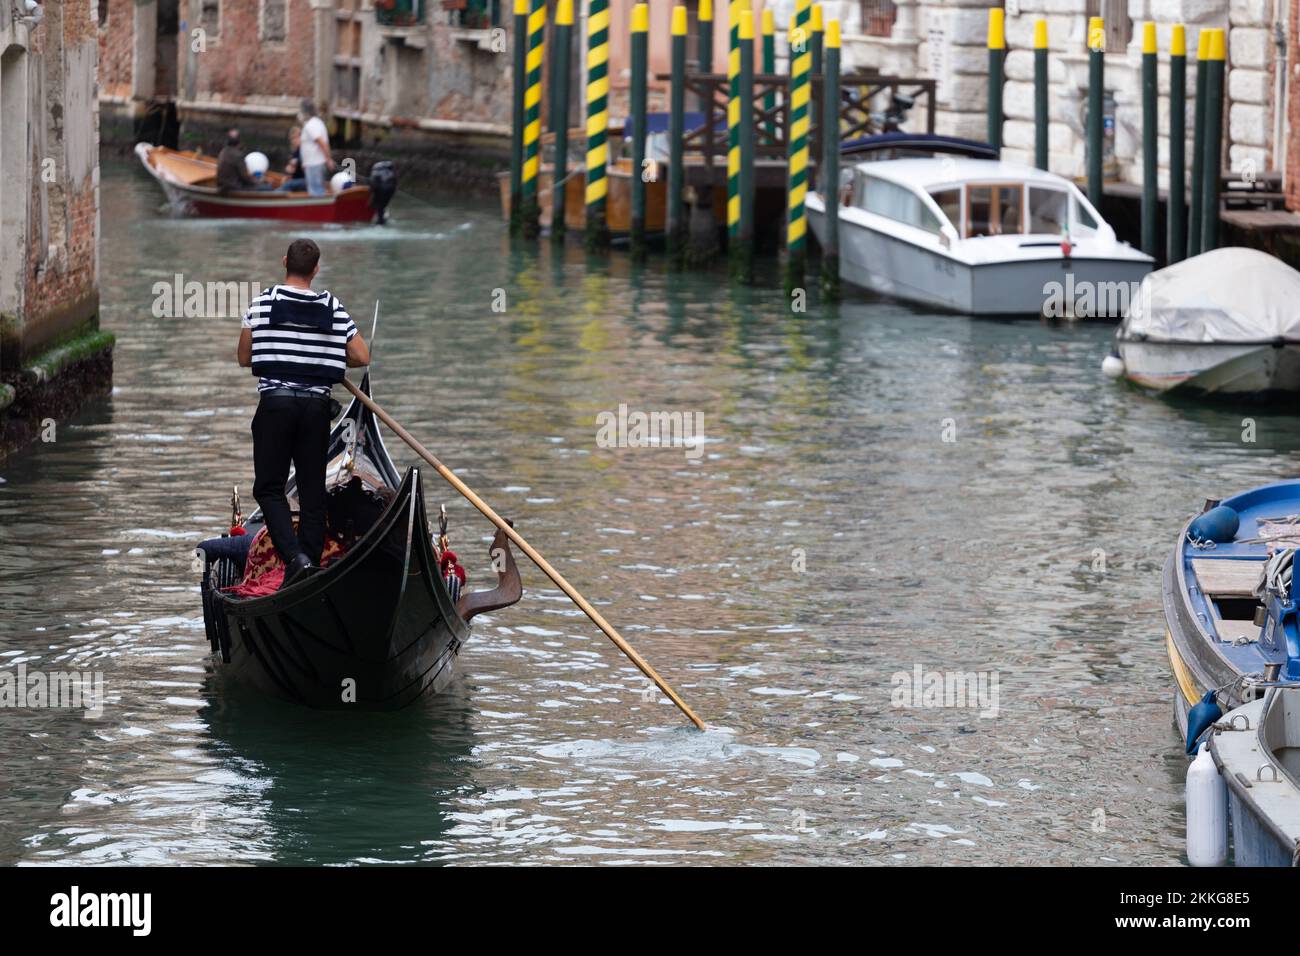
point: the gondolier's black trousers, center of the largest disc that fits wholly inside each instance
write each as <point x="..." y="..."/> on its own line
<point x="298" y="430"/>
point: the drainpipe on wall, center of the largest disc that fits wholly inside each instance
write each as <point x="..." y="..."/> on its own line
<point x="1279" y="89"/>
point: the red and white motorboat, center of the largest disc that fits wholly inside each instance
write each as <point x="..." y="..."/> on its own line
<point x="190" y="181"/>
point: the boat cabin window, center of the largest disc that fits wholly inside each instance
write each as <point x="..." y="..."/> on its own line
<point x="1083" y="220"/>
<point x="994" y="210"/>
<point x="949" y="200"/>
<point x="896" y="202"/>
<point x="1049" y="211"/>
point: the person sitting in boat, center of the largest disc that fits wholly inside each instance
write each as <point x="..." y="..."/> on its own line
<point x="314" y="150"/>
<point x="232" y="171"/>
<point x="295" y="183"/>
<point x="298" y="343"/>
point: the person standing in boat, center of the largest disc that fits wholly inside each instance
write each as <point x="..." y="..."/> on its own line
<point x="314" y="150"/>
<point x="299" y="343"/>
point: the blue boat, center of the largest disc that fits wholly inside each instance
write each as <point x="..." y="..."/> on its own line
<point x="1233" y="639"/>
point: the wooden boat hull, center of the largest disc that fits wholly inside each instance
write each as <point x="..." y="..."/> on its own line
<point x="188" y="180"/>
<point x="377" y="628"/>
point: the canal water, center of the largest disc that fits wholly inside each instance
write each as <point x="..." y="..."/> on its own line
<point x="880" y="491"/>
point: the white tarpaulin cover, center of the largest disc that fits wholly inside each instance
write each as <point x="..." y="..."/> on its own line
<point x="1228" y="295"/>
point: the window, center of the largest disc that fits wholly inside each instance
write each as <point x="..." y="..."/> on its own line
<point x="1083" y="221"/>
<point x="878" y="17"/>
<point x="103" y="14"/>
<point x="993" y="210"/>
<point x="896" y="202"/>
<point x="210" y="18"/>
<point x="1049" y="211"/>
<point x="275" y="20"/>
<point x="1119" y="26"/>
<point x="949" y="200"/>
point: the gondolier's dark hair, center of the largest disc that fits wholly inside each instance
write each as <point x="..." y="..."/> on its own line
<point x="301" y="258"/>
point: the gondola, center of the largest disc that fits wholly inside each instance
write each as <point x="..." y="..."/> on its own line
<point x="376" y="628"/>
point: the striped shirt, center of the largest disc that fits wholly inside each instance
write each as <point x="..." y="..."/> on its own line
<point x="299" y="339"/>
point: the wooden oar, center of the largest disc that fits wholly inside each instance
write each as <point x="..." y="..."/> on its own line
<point x="527" y="549"/>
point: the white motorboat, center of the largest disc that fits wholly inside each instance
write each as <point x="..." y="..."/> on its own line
<point x="967" y="233"/>
<point x="1225" y="323"/>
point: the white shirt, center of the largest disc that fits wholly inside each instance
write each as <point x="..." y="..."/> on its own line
<point x="309" y="149"/>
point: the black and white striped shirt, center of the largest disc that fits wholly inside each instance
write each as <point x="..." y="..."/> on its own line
<point x="300" y="338"/>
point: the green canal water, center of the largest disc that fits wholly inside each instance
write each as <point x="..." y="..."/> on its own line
<point x="828" y="538"/>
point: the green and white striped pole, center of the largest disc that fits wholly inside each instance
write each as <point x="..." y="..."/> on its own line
<point x="1176" y="217"/>
<point x="796" y="228"/>
<point x="997" y="43"/>
<point x="1042" y="118"/>
<point x="637" y="102"/>
<point x="829" y="174"/>
<point x="597" y="229"/>
<point x="529" y="210"/>
<point x="560" y="115"/>
<point x="1214" y="68"/>
<point x="517" y="114"/>
<point x="676" y="212"/>
<point x="1196" y="204"/>
<point x="1150" y="127"/>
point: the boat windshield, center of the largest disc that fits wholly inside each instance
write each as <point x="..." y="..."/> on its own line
<point x="1049" y="211"/>
<point x="894" y="201"/>
<point x="1084" y="223"/>
<point x="994" y="209"/>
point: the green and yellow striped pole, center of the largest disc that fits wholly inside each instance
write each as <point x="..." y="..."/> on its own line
<point x="997" y="43"/>
<point x="796" y="228"/>
<point x="769" y="64"/>
<point x="1214" y="68"/>
<point x="1041" y="116"/>
<point x="829" y="173"/>
<point x="1150" y="126"/>
<point x="704" y="50"/>
<point x="1198" y="147"/>
<point x="517" y="114"/>
<point x="560" y="115"/>
<point x="597" y="228"/>
<point x="676" y="213"/>
<point x="1176" y="217"/>
<point x="1096" y="95"/>
<point x="529" y="209"/>
<point x="734" y="118"/>
<point x="637" y="103"/>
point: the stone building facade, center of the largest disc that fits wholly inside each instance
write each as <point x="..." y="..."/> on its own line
<point x="51" y="350"/>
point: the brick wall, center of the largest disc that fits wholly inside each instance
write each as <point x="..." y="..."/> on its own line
<point x="116" y="34"/>
<point x="239" y="66"/>
<point x="1293" y="113"/>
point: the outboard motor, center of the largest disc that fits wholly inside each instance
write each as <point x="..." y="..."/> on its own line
<point x="383" y="183"/>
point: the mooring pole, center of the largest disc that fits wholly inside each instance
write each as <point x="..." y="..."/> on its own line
<point x="1197" y="198"/>
<point x="676" y="218"/>
<point x="796" y="228"/>
<point x="1041" y="120"/>
<point x="769" y="65"/>
<point x="1150" y="127"/>
<point x="530" y="211"/>
<point x="1214" y="67"/>
<point x="734" y="120"/>
<point x="637" y="96"/>
<point x="560" y="115"/>
<point x="517" y="115"/>
<point x="816" y="27"/>
<point x="742" y="255"/>
<point x="1096" y="98"/>
<point x="997" y="58"/>
<point x="597" y="229"/>
<point x="1176" y="215"/>
<point x="829" y="174"/>
<point x="704" y="49"/>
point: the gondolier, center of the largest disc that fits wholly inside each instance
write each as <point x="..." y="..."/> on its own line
<point x="299" y="343"/>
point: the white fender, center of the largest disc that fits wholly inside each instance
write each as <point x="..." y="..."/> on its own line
<point x="1207" y="812"/>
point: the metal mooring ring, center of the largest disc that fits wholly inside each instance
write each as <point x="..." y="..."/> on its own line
<point x="1259" y="773"/>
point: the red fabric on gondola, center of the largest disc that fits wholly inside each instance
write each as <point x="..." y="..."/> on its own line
<point x="263" y="569"/>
